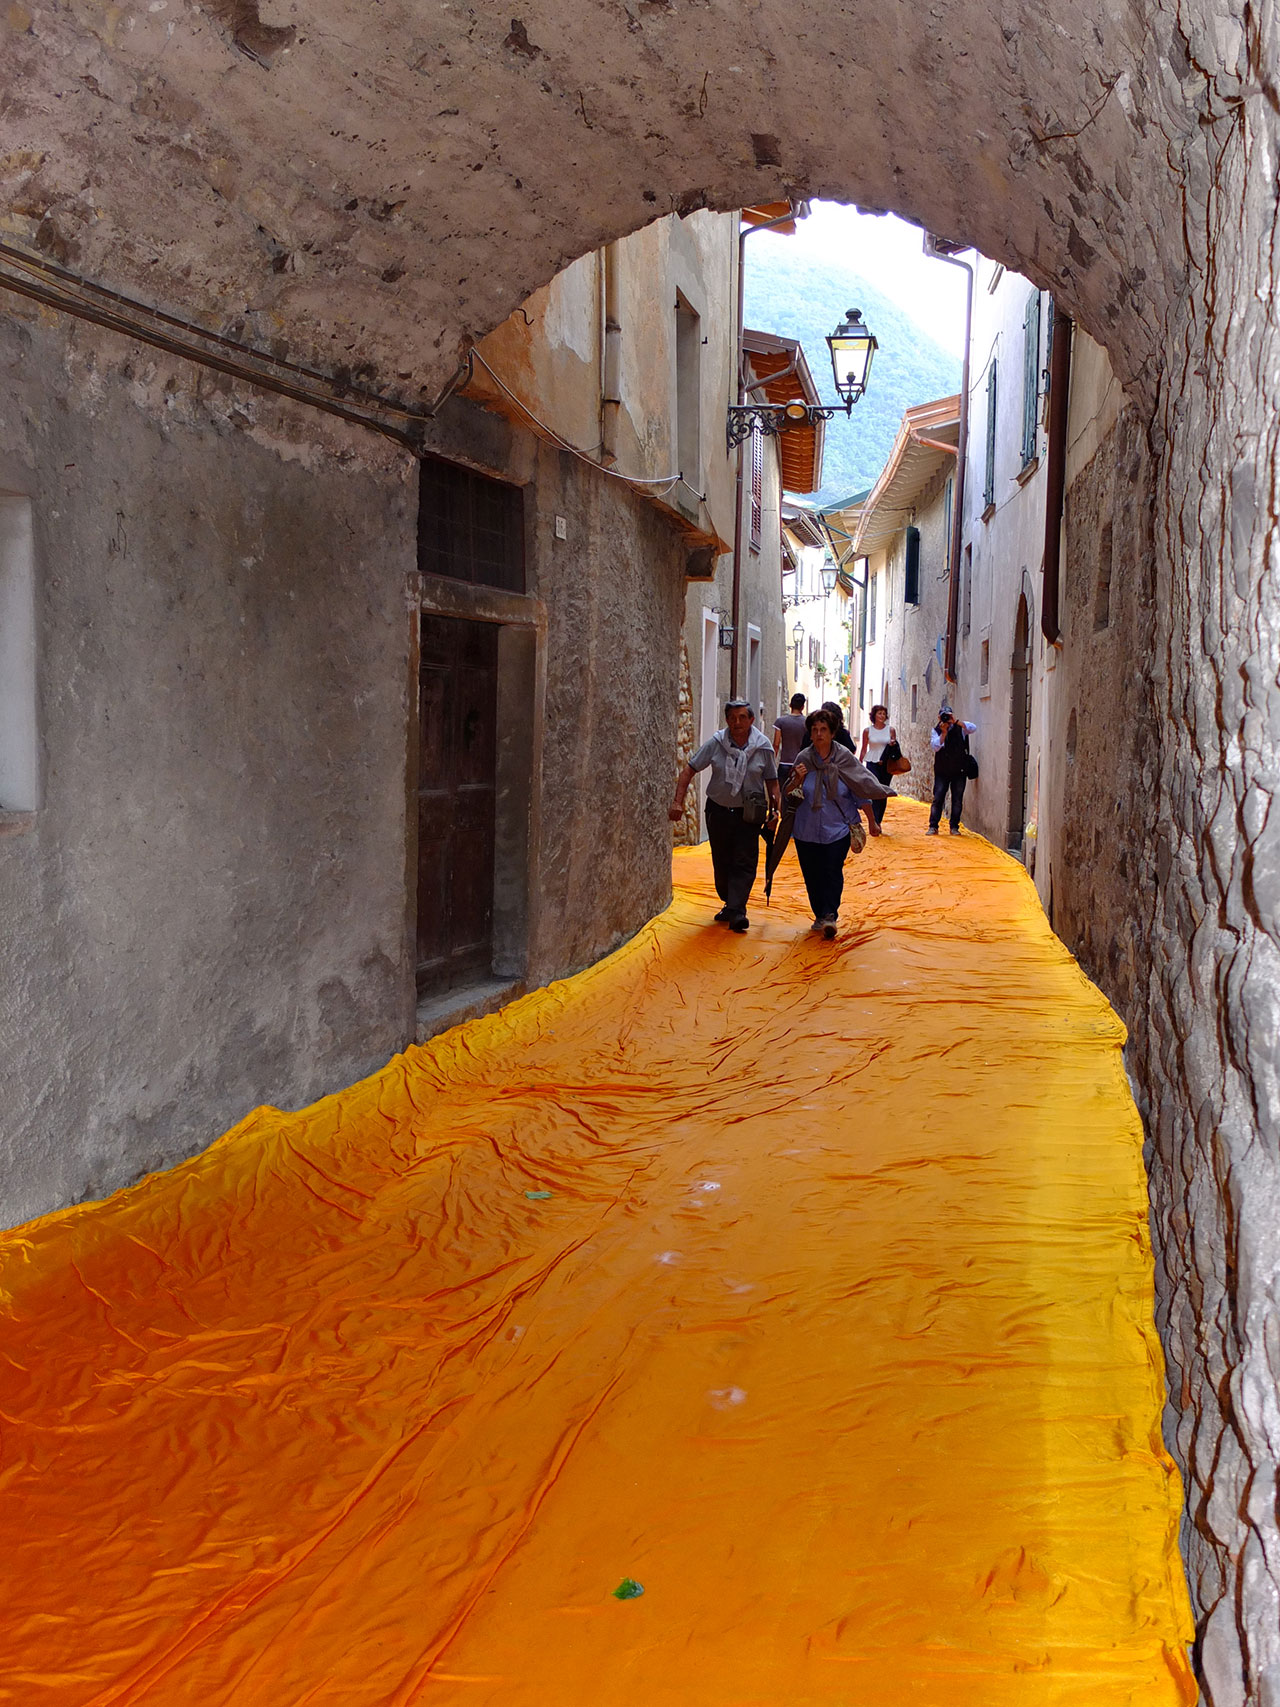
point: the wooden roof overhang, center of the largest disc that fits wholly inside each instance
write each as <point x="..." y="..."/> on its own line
<point x="928" y="439"/>
<point x="780" y="374"/>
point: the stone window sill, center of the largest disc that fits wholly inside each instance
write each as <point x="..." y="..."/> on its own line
<point x="1027" y="470"/>
<point x="17" y="823"/>
<point x="988" y="512"/>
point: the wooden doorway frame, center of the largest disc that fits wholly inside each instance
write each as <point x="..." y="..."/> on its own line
<point x="521" y="620"/>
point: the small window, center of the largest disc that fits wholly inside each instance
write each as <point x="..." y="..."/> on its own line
<point x="470" y="528"/>
<point x="984" y="668"/>
<point x="915" y="701"/>
<point x="966" y="589"/>
<point x="19" y="748"/>
<point x="1030" y="376"/>
<point x="989" y="478"/>
<point x="688" y="434"/>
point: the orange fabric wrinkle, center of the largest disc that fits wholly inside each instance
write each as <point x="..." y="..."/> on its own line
<point x="835" y="1333"/>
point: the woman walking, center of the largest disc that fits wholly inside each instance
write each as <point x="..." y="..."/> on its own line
<point x="828" y="816"/>
<point x="875" y="738"/>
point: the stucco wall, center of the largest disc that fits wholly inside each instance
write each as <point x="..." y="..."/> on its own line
<point x="208" y="911"/>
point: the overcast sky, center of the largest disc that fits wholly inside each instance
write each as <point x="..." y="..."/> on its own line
<point x="887" y="252"/>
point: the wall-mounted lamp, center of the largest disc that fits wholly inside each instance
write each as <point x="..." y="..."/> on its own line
<point x="852" y="346"/>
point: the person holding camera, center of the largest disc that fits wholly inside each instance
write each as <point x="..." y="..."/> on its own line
<point x="953" y="766"/>
<point x="742" y="797"/>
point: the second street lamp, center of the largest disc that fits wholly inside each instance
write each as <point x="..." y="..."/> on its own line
<point x="852" y="346"/>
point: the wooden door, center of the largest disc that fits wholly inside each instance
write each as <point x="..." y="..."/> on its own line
<point x="457" y="727"/>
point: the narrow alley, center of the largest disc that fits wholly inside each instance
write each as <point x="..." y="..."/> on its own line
<point x="804" y="1286"/>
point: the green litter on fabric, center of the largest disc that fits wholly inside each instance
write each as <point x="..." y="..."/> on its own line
<point x="537" y="1196"/>
<point x="628" y="1589"/>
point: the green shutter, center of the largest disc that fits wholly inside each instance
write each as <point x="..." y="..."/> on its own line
<point x="1030" y="376"/>
<point x="989" y="484"/>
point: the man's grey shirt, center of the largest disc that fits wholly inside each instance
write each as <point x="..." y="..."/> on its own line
<point x="761" y="766"/>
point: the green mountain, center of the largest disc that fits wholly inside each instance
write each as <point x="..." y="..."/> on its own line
<point x="796" y="296"/>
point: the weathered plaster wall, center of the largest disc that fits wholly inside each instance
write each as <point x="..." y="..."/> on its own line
<point x="208" y="911"/>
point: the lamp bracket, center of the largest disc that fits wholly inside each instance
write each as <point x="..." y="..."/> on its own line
<point x="774" y="418"/>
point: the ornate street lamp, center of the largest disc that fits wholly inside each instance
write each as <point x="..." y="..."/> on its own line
<point x="830" y="574"/>
<point x="852" y="346"/>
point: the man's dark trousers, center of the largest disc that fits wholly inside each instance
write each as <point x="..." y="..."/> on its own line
<point x="940" y="786"/>
<point x="735" y="855"/>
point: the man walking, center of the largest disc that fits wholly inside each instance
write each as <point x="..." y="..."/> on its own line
<point x="950" y="743"/>
<point x="742" y="794"/>
<point x="789" y="737"/>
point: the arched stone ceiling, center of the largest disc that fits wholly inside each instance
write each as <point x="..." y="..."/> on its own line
<point x="365" y="184"/>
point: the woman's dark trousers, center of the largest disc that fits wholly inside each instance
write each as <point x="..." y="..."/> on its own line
<point x="881" y="774"/>
<point x="940" y="786"/>
<point x="822" y="865"/>
<point x="735" y="854"/>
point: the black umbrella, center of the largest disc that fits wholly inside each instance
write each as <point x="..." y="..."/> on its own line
<point x="780" y="840"/>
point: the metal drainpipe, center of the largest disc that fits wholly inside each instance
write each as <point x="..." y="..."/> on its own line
<point x="736" y="596"/>
<point x="962" y="460"/>
<point x="610" y="358"/>
<point x="1055" y="474"/>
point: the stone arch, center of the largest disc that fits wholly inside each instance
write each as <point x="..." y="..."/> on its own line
<point x="373" y="197"/>
<point x="365" y="190"/>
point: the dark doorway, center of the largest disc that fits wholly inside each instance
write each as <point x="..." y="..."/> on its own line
<point x="1020" y="728"/>
<point x="457" y="753"/>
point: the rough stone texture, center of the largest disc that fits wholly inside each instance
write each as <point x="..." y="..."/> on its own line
<point x="1214" y="970"/>
<point x="1104" y="767"/>
<point x="373" y="188"/>
<point x="368" y="187"/>
<point x="685" y="833"/>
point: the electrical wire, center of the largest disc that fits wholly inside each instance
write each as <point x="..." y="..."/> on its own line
<point x="54" y="287"/>
<point x="666" y="481"/>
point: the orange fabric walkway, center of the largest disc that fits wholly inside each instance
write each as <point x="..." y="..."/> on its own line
<point x="833" y="1333"/>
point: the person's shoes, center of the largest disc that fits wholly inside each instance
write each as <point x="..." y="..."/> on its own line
<point x="739" y="925"/>
<point x="722" y="917"/>
<point x="875" y="829"/>
<point x="829" y="927"/>
<point x="932" y="830"/>
<point x="955" y="829"/>
<point x="816" y="925"/>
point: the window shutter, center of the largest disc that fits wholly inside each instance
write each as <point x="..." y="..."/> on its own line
<point x="1030" y="376"/>
<point x="757" y="485"/>
<point x="911" y="589"/>
<point x="989" y="483"/>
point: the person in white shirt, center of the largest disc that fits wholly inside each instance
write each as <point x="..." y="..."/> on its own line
<point x="875" y="738"/>
<point x="951" y="762"/>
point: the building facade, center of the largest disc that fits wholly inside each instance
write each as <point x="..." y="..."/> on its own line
<point x="318" y="739"/>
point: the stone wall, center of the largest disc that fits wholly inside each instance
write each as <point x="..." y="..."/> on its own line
<point x="209" y="908"/>
<point x="207" y="911"/>
<point x="1214" y="1064"/>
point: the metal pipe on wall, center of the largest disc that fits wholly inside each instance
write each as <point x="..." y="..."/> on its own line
<point x="962" y="458"/>
<point x="1056" y="472"/>
<point x="611" y="355"/>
